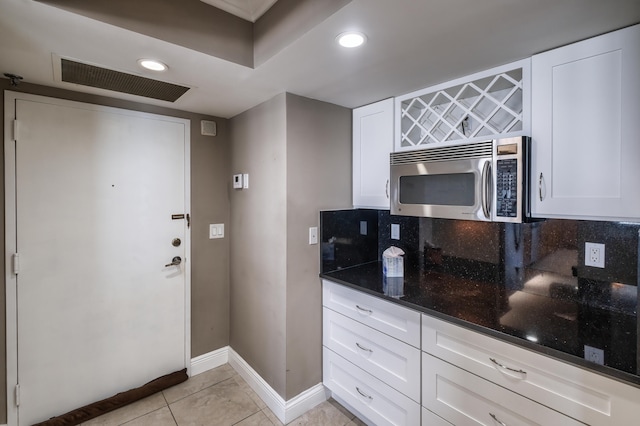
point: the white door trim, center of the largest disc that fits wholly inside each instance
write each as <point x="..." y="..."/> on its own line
<point x="10" y="99"/>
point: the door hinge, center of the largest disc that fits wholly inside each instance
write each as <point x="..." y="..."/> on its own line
<point x="15" y="263"/>
<point x="188" y="221"/>
<point x="15" y="130"/>
<point x="17" y="395"/>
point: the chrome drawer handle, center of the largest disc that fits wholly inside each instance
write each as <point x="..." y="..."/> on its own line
<point x="364" y="394"/>
<point x="497" y="420"/>
<point x="507" y="368"/>
<point x="360" y="308"/>
<point x="386" y="189"/>
<point x="363" y="348"/>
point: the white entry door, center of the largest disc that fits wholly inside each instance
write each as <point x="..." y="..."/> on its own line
<point x="96" y="310"/>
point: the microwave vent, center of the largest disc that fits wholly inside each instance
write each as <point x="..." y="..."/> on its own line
<point x="447" y="153"/>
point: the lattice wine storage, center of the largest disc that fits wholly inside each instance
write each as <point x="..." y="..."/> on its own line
<point x="483" y="107"/>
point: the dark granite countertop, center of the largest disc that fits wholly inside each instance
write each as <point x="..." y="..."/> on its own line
<point x="547" y="316"/>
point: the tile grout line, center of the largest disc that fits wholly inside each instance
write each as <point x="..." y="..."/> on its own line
<point x="196" y="392"/>
<point x="169" y="407"/>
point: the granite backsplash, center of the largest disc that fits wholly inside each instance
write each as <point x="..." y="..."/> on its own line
<point x="529" y="278"/>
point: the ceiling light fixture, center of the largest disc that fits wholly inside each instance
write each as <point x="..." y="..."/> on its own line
<point x="351" y="39"/>
<point x="152" y="64"/>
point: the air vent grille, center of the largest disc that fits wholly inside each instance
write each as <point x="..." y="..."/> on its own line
<point x="458" y="152"/>
<point x="102" y="78"/>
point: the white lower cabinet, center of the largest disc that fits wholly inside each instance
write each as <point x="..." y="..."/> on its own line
<point x="501" y="372"/>
<point x="379" y="403"/>
<point x="379" y="314"/>
<point x="395" y="366"/>
<point x="465" y="399"/>
<point x="371" y="355"/>
<point x="394" y="362"/>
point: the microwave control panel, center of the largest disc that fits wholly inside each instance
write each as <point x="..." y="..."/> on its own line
<point x="507" y="188"/>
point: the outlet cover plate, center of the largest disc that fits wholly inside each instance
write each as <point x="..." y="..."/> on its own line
<point x="594" y="255"/>
<point x="594" y="354"/>
<point x="395" y="231"/>
<point x="363" y="227"/>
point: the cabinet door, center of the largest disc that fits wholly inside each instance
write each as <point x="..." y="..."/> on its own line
<point x="395" y="363"/>
<point x="397" y="321"/>
<point x="465" y="399"/>
<point x="585" y="109"/>
<point x="372" y="144"/>
<point x="369" y="396"/>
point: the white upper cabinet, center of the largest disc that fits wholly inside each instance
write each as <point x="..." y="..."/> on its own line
<point x="372" y="144"/>
<point x="483" y="106"/>
<point x="585" y="113"/>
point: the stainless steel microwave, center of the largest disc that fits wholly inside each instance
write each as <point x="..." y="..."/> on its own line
<point x="487" y="181"/>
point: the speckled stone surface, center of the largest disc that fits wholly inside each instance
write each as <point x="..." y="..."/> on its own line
<point x="524" y="283"/>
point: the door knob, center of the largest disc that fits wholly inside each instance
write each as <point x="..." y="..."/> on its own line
<point x="174" y="262"/>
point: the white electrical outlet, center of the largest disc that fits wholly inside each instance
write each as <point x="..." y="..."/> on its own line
<point x="594" y="255"/>
<point x="594" y="354"/>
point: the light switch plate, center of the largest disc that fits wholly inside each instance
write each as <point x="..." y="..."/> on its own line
<point x="395" y="231"/>
<point x="363" y="227"/>
<point x="313" y="235"/>
<point x="216" y="230"/>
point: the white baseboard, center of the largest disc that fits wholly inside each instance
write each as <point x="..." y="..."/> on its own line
<point x="210" y="360"/>
<point x="284" y="410"/>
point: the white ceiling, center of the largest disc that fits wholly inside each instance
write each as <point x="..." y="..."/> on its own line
<point x="411" y="44"/>
<point x="250" y="10"/>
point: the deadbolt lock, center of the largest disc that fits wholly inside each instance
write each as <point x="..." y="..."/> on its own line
<point x="176" y="242"/>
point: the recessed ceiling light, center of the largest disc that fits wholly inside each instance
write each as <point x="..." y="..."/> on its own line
<point x="152" y="64"/>
<point x="351" y="39"/>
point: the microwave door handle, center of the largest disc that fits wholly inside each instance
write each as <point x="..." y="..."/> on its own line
<point x="487" y="194"/>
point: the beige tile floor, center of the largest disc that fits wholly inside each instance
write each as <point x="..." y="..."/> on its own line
<point x="217" y="397"/>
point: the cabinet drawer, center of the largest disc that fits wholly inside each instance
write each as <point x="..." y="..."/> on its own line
<point x="379" y="403"/>
<point x="389" y="318"/>
<point x="394" y="362"/>
<point x="465" y="399"/>
<point x="576" y="392"/>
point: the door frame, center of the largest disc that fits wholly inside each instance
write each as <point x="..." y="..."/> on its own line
<point x="10" y="128"/>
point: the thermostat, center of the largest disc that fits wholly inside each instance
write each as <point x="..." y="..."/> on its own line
<point x="237" y="181"/>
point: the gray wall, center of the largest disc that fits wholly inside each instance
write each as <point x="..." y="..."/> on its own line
<point x="318" y="178"/>
<point x="297" y="152"/>
<point x="210" y="180"/>
<point x="258" y="240"/>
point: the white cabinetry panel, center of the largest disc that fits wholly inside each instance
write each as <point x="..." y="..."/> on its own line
<point x="372" y="144"/>
<point x="483" y="106"/>
<point x="392" y="319"/>
<point x="468" y="400"/>
<point x="576" y="392"/>
<point x="585" y="106"/>
<point x="380" y="403"/>
<point x="395" y="363"/>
